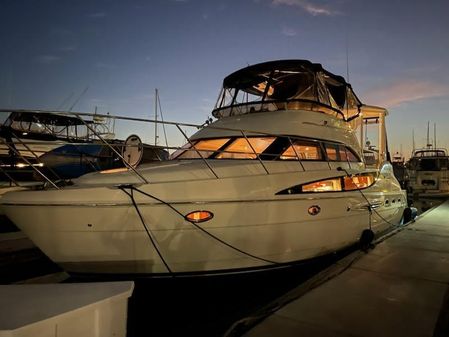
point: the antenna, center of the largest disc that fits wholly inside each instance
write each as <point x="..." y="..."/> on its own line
<point x="413" y="140"/>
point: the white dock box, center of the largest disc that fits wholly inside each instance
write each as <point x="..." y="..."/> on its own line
<point x="64" y="310"/>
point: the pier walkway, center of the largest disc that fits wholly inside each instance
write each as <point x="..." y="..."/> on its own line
<point x="399" y="288"/>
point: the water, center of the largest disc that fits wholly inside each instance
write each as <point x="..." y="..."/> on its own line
<point x="424" y="204"/>
<point x="208" y="306"/>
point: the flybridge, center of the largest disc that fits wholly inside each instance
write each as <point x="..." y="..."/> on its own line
<point x="286" y="85"/>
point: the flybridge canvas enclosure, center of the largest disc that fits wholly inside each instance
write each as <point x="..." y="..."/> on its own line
<point x="286" y="84"/>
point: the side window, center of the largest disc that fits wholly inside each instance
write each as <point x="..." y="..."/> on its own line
<point x="337" y="184"/>
<point x="304" y="150"/>
<point x="351" y="156"/>
<point x="332" y="151"/>
<point x="241" y="148"/>
<point x="206" y="147"/>
<point x="339" y="152"/>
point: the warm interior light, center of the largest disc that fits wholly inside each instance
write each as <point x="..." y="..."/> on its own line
<point x="199" y="216"/>
<point x="262" y="87"/>
<point x="358" y="182"/>
<point x="327" y="185"/>
<point x="115" y="170"/>
<point x="348" y="183"/>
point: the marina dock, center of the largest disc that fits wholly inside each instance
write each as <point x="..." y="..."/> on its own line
<point x="399" y="288"/>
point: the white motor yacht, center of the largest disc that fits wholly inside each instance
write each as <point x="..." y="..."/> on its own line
<point x="278" y="178"/>
<point x="428" y="172"/>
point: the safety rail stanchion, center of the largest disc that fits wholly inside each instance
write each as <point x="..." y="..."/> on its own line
<point x="112" y="148"/>
<point x="34" y="154"/>
<point x="29" y="163"/>
<point x="296" y="153"/>
<point x="196" y="150"/>
<point x="254" y="151"/>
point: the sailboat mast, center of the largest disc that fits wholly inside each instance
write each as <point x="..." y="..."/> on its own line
<point x="434" y="135"/>
<point x="155" y="118"/>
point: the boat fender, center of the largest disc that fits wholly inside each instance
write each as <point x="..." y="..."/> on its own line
<point x="366" y="239"/>
<point x="409" y="214"/>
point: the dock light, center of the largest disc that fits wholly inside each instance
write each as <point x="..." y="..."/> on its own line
<point x="199" y="216"/>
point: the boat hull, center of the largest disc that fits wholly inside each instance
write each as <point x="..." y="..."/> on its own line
<point x="112" y="238"/>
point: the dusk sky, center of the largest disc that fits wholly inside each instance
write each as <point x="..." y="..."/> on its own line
<point x="112" y="54"/>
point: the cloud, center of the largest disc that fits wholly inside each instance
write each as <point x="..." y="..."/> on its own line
<point x="405" y="91"/>
<point x="47" y="59"/>
<point x="308" y="6"/>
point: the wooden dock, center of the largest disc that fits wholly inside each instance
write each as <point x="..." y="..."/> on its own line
<point x="399" y="288"/>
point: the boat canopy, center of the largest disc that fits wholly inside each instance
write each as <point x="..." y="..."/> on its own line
<point x="48" y="118"/>
<point x="286" y="84"/>
<point x="45" y="125"/>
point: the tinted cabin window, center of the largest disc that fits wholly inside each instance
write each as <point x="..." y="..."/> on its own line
<point x="304" y="150"/>
<point x="242" y="148"/>
<point x="205" y="147"/>
<point x="347" y="155"/>
<point x="338" y="152"/>
<point x="352" y="157"/>
<point x="332" y="151"/>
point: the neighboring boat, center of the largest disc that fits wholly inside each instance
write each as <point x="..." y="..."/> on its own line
<point x="278" y="178"/>
<point x="36" y="144"/>
<point x="399" y="169"/>
<point x="428" y="172"/>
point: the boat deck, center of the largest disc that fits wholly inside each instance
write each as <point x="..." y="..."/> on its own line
<point x="399" y="288"/>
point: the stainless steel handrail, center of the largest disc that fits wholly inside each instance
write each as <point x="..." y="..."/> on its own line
<point x="114" y="150"/>
<point x="29" y="163"/>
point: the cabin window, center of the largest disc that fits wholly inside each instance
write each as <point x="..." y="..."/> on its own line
<point x="359" y="181"/>
<point x="246" y="148"/>
<point x="205" y="147"/>
<point x="351" y="156"/>
<point x="304" y="150"/>
<point x="337" y="184"/>
<point x="268" y="148"/>
<point x="332" y="152"/>
<point x="323" y="186"/>
<point x="339" y="152"/>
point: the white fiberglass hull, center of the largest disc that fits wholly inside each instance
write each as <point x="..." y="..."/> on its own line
<point x="429" y="183"/>
<point x="98" y="229"/>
